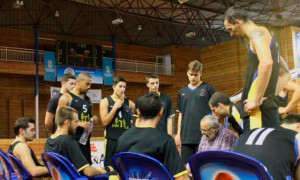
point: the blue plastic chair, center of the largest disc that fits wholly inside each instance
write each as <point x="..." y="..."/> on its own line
<point x="7" y="171"/>
<point x="210" y="165"/>
<point x="61" y="168"/>
<point x="20" y="170"/>
<point x="131" y="165"/>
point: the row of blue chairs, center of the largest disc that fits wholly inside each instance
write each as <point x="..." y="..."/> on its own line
<point x="129" y="165"/>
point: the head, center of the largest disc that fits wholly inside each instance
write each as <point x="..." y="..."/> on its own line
<point x="84" y="82"/>
<point x="219" y="103"/>
<point x="24" y="127"/>
<point x="68" y="82"/>
<point x="234" y="19"/>
<point x="292" y="122"/>
<point x="119" y="86"/>
<point x="67" y="117"/>
<point x="149" y="106"/>
<point x="152" y="81"/>
<point x="209" y="126"/>
<point x="194" y="72"/>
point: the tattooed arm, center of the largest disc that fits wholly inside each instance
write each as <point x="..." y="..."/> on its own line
<point x="260" y="40"/>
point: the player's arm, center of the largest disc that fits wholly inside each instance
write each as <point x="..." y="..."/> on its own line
<point x="49" y="122"/>
<point x="131" y="106"/>
<point x="291" y="86"/>
<point x="64" y="100"/>
<point x="105" y="116"/>
<point x="284" y="76"/>
<point x="177" y="137"/>
<point x="170" y="125"/>
<point x="22" y="152"/>
<point x="90" y="171"/>
<point x="261" y="45"/>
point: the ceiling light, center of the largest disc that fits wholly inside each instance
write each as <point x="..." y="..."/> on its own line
<point x="182" y="1"/>
<point x="18" y="4"/>
<point x="140" y="28"/>
<point x="190" y="34"/>
<point x="117" y="21"/>
<point x="56" y="14"/>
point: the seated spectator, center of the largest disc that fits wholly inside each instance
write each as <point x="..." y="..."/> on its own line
<point x="214" y="136"/>
<point x="146" y="139"/>
<point x="25" y="131"/>
<point x="277" y="148"/>
<point x="222" y="107"/>
<point x="63" y="142"/>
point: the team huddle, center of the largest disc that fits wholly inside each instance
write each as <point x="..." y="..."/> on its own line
<point x="146" y="126"/>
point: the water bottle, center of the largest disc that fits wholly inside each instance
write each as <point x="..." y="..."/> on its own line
<point x="85" y="135"/>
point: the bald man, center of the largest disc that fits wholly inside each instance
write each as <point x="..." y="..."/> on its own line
<point x="78" y="100"/>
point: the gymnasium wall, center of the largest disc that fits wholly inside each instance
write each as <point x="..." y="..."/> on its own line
<point x="223" y="66"/>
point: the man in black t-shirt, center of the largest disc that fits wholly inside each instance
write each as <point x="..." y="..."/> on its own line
<point x="25" y="132"/>
<point x="222" y="107"/>
<point x="68" y="82"/>
<point x="64" y="143"/>
<point x="192" y="106"/>
<point x="81" y="102"/>
<point x="116" y="116"/>
<point x="277" y="148"/>
<point x="166" y="121"/>
<point x="147" y="139"/>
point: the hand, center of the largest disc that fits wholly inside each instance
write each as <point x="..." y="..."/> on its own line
<point x="252" y="105"/>
<point x="282" y="110"/>
<point x="85" y="125"/>
<point x="118" y="103"/>
<point x="95" y="119"/>
<point x="177" y="139"/>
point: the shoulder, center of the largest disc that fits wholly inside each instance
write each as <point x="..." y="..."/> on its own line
<point x="208" y="85"/>
<point x="183" y="88"/>
<point x="104" y="101"/>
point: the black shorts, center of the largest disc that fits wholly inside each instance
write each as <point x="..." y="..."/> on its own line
<point x="110" y="151"/>
<point x="262" y="117"/>
<point x="187" y="150"/>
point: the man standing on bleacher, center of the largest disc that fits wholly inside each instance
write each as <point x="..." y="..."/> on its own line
<point x="25" y="131"/>
<point x="147" y="139"/>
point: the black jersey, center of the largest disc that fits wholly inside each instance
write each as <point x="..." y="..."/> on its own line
<point x="52" y="106"/>
<point x="167" y="113"/>
<point x="274" y="147"/>
<point x="262" y="116"/>
<point x="252" y="73"/>
<point x="84" y="108"/>
<point x="120" y="122"/>
<point x="154" y="143"/>
<point x="236" y="118"/>
<point x="67" y="146"/>
<point x="193" y="104"/>
<point x="11" y="151"/>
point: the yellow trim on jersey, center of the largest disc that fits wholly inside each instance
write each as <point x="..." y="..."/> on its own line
<point x="105" y="144"/>
<point x="235" y="113"/>
<point x="180" y="174"/>
<point x="69" y="95"/>
<point x="145" y="127"/>
<point x="115" y="99"/>
<point x="171" y="116"/>
<point x="255" y="116"/>
<point x="83" y="167"/>
<point x="113" y="177"/>
<point x="255" y="119"/>
<point x="135" y="115"/>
